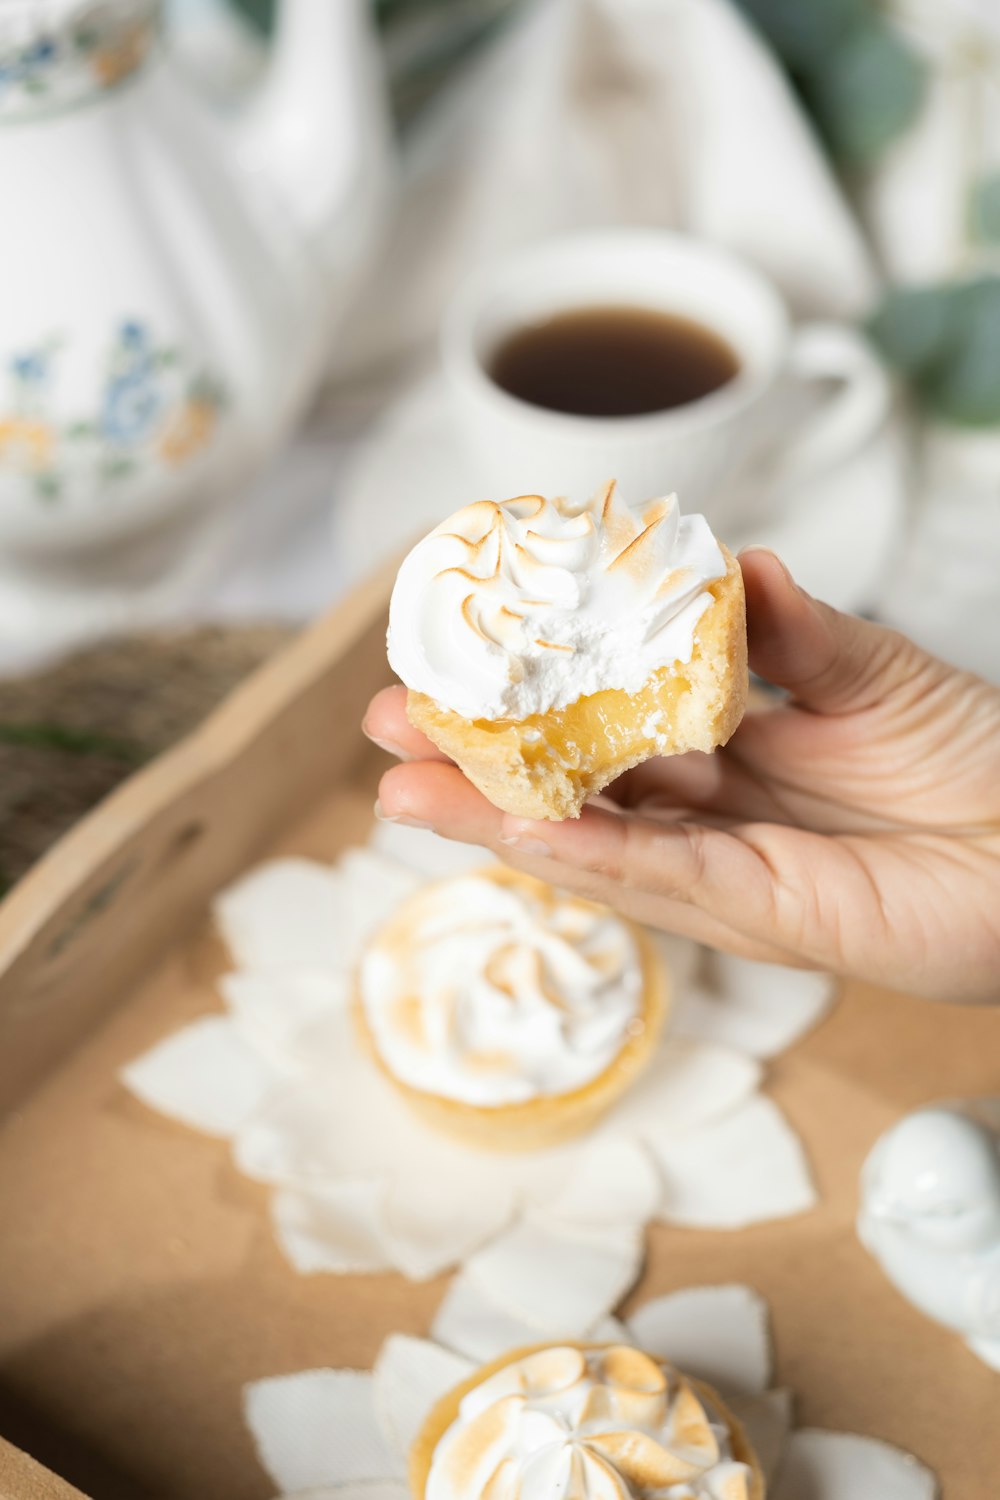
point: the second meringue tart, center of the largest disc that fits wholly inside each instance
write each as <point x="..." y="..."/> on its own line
<point x="548" y="648"/>
<point x="507" y="1013"/>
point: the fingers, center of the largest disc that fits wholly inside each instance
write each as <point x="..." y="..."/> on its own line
<point x="437" y="795"/>
<point x="831" y="662"/>
<point x="720" y="784"/>
<point x="646" y="870"/>
<point x="387" y="726"/>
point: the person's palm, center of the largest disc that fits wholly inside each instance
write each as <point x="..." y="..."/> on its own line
<point x="855" y="827"/>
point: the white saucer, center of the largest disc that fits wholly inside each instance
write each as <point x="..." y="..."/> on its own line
<point x="411" y="472"/>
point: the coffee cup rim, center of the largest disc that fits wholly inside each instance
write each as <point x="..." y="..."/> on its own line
<point x="462" y="360"/>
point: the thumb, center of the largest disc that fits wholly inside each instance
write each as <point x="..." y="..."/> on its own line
<point x="828" y="661"/>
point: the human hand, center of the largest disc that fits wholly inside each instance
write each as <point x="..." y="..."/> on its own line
<point x="855" y="827"/>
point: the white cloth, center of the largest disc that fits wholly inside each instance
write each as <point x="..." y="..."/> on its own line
<point x="945" y="593"/>
<point x="596" y="112"/>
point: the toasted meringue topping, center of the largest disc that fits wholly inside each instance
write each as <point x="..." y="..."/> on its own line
<point x="595" y="1424"/>
<point x="512" y="609"/>
<point x="493" y="989"/>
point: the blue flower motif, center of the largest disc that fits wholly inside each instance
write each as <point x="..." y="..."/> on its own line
<point x="133" y="335"/>
<point x="132" y="401"/>
<point x="40" y="52"/>
<point x="31" y="368"/>
<point x="131" y="407"/>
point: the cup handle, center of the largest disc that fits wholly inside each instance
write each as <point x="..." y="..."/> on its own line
<point x="852" y="415"/>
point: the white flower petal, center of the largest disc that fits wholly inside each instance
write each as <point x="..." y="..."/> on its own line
<point x="615" y="1182"/>
<point x="558" y="1283"/>
<point x="988" y="1350"/>
<point x="372" y="887"/>
<point x="298" y="914"/>
<point x="685" y="1084"/>
<point x="299" y="1137"/>
<point x="427" y="852"/>
<point x="319" y="1427"/>
<point x="841" y="1466"/>
<point x="283" y="915"/>
<point x="410" y="1376"/>
<point x="609" y="1330"/>
<point x="768" y="1421"/>
<point x="431" y="1223"/>
<point x="470" y="1322"/>
<point x="336" y="1228"/>
<point x="442" y="1200"/>
<point x="718" y="1333"/>
<point x="349" y="1123"/>
<point x="744" y="1169"/>
<point x="286" y="1015"/>
<point x="758" y="1008"/>
<point x="205" y="1075"/>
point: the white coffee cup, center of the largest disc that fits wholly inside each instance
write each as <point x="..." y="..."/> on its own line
<point x="696" y="449"/>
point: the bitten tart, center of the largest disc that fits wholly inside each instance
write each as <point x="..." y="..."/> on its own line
<point x="548" y="647"/>
<point x="506" y="1013"/>
<point x="582" y="1422"/>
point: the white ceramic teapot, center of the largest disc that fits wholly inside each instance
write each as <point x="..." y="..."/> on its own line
<point x="169" y="276"/>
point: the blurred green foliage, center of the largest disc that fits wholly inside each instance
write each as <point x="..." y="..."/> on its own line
<point x="946" y="341"/>
<point x="804" y="32"/>
<point x="870" y="89"/>
<point x="863" y="84"/>
<point x="70" y="741"/>
<point x="984" y="209"/>
<point x="857" y="75"/>
<point x="260" y="12"/>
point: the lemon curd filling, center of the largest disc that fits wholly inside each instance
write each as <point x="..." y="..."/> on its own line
<point x="590" y="736"/>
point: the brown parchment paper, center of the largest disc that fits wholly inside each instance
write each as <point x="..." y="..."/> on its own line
<point x="140" y="1286"/>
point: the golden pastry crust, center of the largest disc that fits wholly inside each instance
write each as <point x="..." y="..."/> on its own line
<point x="444" y="1412"/>
<point x="550" y="1119"/>
<point x="547" y="766"/>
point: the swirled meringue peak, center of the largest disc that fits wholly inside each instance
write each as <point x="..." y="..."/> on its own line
<point x="494" y="989"/>
<point x="512" y="609"/>
<point x="587" y="1424"/>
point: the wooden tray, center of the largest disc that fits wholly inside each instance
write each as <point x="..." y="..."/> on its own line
<point x="139" y="1283"/>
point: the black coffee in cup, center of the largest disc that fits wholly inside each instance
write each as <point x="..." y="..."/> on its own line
<point x="613" y="362"/>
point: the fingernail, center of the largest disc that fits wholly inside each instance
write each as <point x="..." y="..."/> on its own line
<point x="524" y="843"/>
<point x="403" y="819"/>
<point x="387" y="746"/>
<point x="762" y="551"/>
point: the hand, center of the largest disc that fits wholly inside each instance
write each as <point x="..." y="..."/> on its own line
<point x="856" y="827"/>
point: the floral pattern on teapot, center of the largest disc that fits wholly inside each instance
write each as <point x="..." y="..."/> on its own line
<point x="59" y="67"/>
<point x="155" y="411"/>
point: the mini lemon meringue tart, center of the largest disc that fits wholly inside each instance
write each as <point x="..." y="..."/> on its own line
<point x="584" y="1422"/>
<point x="547" y="647"/>
<point x="506" y="1013"/>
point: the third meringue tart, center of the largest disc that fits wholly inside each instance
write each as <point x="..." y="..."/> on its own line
<point x="582" y="1422"/>
<point x="548" y="648"/>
